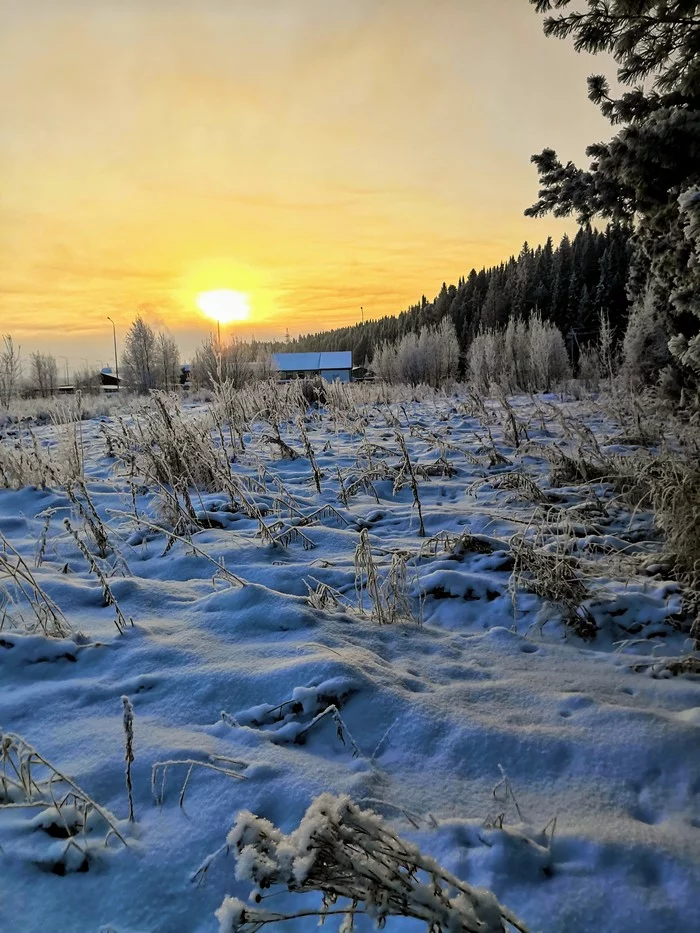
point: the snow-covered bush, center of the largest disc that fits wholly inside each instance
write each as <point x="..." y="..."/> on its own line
<point x="645" y="349"/>
<point x="430" y="357"/>
<point x="343" y="851"/>
<point x="526" y="356"/>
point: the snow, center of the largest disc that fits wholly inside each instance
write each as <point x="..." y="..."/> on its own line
<point x="561" y="774"/>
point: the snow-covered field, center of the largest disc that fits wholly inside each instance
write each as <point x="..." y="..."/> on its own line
<point x="538" y="748"/>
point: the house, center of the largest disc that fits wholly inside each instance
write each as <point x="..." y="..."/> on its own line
<point x="332" y="366"/>
<point x="108" y="381"/>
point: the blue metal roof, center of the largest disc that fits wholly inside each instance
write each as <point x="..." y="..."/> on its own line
<point x="287" y="362"/>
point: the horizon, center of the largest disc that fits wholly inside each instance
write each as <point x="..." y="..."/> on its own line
<point x="316" y="160"/>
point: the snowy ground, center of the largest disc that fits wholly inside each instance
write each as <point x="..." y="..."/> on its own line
<point x="595" y="732"/>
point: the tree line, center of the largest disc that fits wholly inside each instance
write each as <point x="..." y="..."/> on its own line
<point x="571" y="285"/>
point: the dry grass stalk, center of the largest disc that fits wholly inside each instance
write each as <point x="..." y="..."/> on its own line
<point x="160" y="769"/>
<point x="128" y="722"/>
<point x="48" y="618"/>
<point x="108" y="597"/>
<point x="310" y="456"/>
<point x="342" y="492"/>
<point x="44" y="538"/>
<point x="389" y="598"/>
<point x="408" y="468"/>
<point x="514" y="480"/>
<point x="448" y="542"/>
<point x="342" y="730"/>
<point x="221" y="570"/>
<point x="90" y="516"/>
<point x="327" y="512"/>
<point x="515" y="430"/>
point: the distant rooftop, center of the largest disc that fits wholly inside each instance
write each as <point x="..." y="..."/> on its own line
<point x="287" y="362"/>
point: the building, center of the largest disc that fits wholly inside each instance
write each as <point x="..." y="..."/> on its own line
<point x="185" y="378"/>
<point x="332" y="366"/>
<point x="108" y="381"/>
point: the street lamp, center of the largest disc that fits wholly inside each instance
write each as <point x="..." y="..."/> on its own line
<point x="65" y="360"/>
<point x="116" y="361"/>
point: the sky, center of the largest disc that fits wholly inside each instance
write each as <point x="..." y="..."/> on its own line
<point x="319" y="156"/>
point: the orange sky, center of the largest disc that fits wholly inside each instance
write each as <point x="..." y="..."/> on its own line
<point x="319" y="155"/>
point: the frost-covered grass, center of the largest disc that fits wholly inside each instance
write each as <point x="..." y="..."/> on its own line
<point x="514" y="691"/>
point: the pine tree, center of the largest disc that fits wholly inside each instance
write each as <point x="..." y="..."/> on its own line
<point x="563" y="269"/>
<point x="642" y="173"/>
<point x="544" y="279"/>
<point x="525" y="283"/>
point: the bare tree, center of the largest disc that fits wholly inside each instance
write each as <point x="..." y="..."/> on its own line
<point x="215" y="363"/>
<point x="44" y="373"/>
<point x="168" y="362"/>
<point x="10" y="370"/>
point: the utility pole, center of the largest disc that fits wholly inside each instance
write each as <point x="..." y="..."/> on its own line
<point x="116" y="360"/>
<point x="362" y="312"/>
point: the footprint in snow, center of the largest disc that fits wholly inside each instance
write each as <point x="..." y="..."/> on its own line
<point x="573" y="704"/>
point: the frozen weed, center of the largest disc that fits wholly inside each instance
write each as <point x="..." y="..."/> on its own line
<point x="514" y="480"/>
<point x="407" y="470"/>
<point x="160" y="770"/>
<point x="389" y="597"/>
<point x="342" y="851"/>
<point x="128" y="723"/>
<point x="27" y="779"/>
<point x="309" y="450"/>
<point x="556" y="578"/>
<point x="108" y="597"/>
<point x="22" y="587"/>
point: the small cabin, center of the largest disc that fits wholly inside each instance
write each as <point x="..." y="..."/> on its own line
<point x="334" y="366"/>
<point x="108" y="381"/>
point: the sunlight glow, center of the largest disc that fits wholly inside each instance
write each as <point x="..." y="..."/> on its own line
<point x="224" y="305"/>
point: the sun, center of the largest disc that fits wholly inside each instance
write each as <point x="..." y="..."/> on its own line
<point x="224" y="305"/>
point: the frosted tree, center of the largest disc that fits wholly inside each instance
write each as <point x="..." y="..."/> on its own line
<point x="447" y="348"/>
<point x="140" y="360"/>
<point x="548" y="357"/>
<point x="516" y="352"/>
<point x="10" y="370"/>
<point x="652" y="160"/>
<point x="168" y="362"/>
<point x="523" y="357"/>
<point x="430" y="357"/>
<point x="485" y="360"/>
